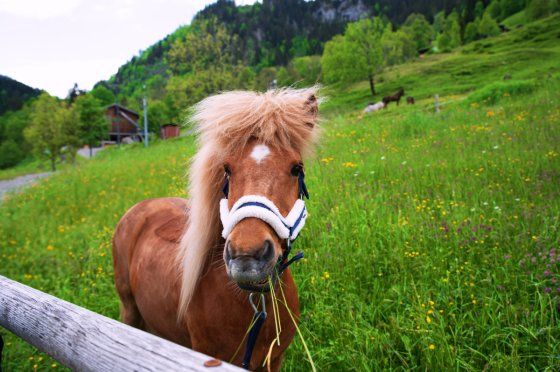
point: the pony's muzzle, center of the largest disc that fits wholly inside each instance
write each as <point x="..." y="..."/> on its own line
<point x="250" y="268"/>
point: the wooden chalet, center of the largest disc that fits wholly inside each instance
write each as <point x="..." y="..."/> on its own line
<point x="123" y="122"/>
<point x="169" y="131"/>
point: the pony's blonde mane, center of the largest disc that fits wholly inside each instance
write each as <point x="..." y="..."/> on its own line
<point x="225" y="123"/>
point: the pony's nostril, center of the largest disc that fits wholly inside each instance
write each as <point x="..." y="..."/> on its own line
<point x="267" y="251"/>
<point x="227" y="252"/>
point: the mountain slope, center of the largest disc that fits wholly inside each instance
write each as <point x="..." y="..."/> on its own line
<point x="273" y="32"/>
<point x="13" y="94"/>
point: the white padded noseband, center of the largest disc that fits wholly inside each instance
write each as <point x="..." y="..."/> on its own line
<point x="262" y="208"/>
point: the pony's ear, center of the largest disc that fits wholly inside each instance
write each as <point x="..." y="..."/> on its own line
<point x="312" y="106"/>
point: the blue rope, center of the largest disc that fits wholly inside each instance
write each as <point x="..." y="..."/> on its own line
<point x="225" y="189"/>
<point x="261" y="205"/>
<point x="283" y="266"/>
<point x="302" y="188"/>
<point x="260" y="316"/>
<point x="258" y="321"/>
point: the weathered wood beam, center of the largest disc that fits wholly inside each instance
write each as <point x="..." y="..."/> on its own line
<point x="86" y="341"/>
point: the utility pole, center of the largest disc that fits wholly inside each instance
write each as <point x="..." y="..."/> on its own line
<point x="117" y="118"/>
<point x="145" y="119"/>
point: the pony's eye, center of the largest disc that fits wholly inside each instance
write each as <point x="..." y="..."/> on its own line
<point x="296" y="170"/>
<point x="227" y="169"/>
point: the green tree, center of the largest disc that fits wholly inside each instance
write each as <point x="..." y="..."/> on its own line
<point x="479" y="9"/>
<point x="245" y="78"/>
<point x="338" y="61"/>
<point x="12" y="125"/>
<point x="306" y="69"/>
<point x="103" y="94"/>
<point x="209" y="44"/>
<point x="359" y="53"/>
<point x="510" y="7"/>
<point x="158" y="115"/>
<point x="495" y="9"/>
<point x="439" y="22"/>
<point x="264" y="78"/>
<point x="471" y="31"/>
<point x="392" y="47"/>
<point x="538" y="9"/>
<point x="443" y="42"/>
<point x="182" y="92"/>
<point x="74" y="93"/>
<point x="450" y="37"/>
<point x="10" y="154"/>
<point x="185" y="90"/>
<point x="72" y="133"/>
<point x="300" y="46"/>
<point x="417" y="27"/>
<point x="366" y="36"/>
<point x="488" y="26"/>
<point x="453" y="28"/>
<point x="397" y="47"/>
<point x="283" y="77"/>
<point x="92" y="123"/>
<point x="156" y="87"/>
<point x="48" y="130"/>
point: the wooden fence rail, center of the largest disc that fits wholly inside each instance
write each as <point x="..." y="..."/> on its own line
<point x="85" y="341"/>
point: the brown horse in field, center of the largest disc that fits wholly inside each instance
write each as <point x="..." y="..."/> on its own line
<point x="184" y="268"/>
<point x="394" y="98"/>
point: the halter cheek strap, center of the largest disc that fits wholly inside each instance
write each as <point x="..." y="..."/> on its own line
<point x="256" y="206"/>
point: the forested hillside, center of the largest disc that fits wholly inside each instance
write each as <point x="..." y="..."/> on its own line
<point x="13" y="94"/>
<point x="274" y="32"/>
<point x="271" y="43"/>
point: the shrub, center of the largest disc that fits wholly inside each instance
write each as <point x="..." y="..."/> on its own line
<point x="10" y="154"/>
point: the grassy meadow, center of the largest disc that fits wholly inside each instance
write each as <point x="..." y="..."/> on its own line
<point x="433" y="240"/>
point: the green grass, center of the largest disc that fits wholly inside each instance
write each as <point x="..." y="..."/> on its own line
<point x="31" y="165"/>
<point x="28" y="166"/>
<point x="516" y="20"/>
<point x="528" y="53"/>
<point x="433" y="239"/>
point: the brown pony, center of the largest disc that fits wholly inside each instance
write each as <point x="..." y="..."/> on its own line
<point x="394" y="98"/>
<point x="182" y="277"/>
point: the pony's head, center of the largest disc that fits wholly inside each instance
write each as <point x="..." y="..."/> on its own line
<point x="263" y="211"/>
<point x="256" y="142"/>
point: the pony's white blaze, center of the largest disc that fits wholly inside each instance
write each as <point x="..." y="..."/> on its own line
<point x="259" y="153"/>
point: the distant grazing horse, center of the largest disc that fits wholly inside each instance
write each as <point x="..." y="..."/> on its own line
<point x="410" y="100"/>
<point x="183" y="275"/>
<point x="394" y="98"/>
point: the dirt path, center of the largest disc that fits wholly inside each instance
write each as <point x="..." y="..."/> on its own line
<point x="19" y="182"/>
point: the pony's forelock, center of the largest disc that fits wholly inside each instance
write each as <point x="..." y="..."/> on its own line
<point x="225" y="123"/>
